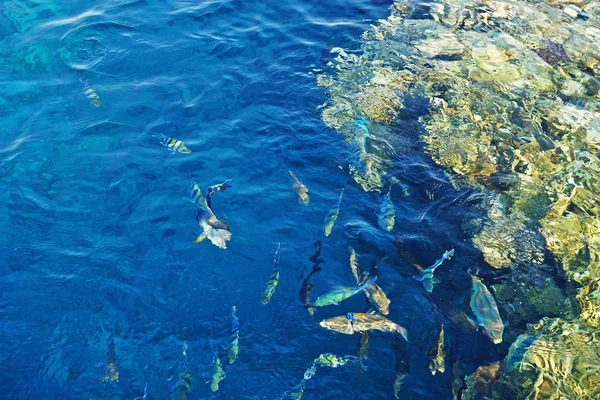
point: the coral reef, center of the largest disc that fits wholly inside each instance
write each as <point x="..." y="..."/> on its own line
<point x="514" y="108"/>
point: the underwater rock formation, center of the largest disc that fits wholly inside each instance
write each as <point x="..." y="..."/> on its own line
<point x="514" y="108"/>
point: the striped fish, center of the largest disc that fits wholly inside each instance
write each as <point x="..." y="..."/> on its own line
<point x="234" y="348"/>
<point x="437" y="356"/>
<point x="332" y="216"/>
<point x="173" y="144"/>
<point x="197" y="197"/>
<point x="273" y="280"/>
<point x="387" y="213"/>
<point x="91" y="94"/>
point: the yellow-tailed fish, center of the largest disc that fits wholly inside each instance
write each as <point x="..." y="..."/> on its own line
<point x="437" y="356"/>
<point x="427" y="277"/>
<point x="387" y="214"/>
<point x="234" y="349"/>
<point x="273" y="280"/>
<point x="332" y="216"/>
<point x="91" y="94"/>
<point x="486" y="312"/>
<point x="182" y="387"/>
<point x="374" y="293"/>
<point x="301" y="189"/>
<point x="217" y="373"/>
<point x="337" y="295"/>
<point x="111" y="372"/>
<point x="358" y="322"/>
<point x="173" y="144"/>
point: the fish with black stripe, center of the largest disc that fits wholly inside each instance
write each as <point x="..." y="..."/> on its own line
<point x="91" y="94"/>
<point x="175" y="145"/>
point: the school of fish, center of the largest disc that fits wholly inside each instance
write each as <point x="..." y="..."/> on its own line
<point x="483" y="305"/>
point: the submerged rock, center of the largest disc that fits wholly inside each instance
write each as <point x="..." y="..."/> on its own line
<point x="514" y="94"/>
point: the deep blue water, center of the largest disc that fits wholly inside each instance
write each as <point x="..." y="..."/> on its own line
<point x="97" y="230"/>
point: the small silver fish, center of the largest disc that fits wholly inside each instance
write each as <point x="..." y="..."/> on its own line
<point x="332" y="216"/>
<point x="173" y="144"/>
<point x="427" y="278"/>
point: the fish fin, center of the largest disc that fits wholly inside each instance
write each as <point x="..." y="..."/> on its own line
<point x="418" y="277"/>
<point x="403" y="332"/>
<point x="368" y="283"/>
<point x="200" y="238"/>
<point x="436" y="281"/>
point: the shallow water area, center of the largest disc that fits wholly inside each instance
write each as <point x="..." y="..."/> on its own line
<point x="98" y="267"/>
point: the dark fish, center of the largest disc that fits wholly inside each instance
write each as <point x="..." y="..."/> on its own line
<point x="306" y="289"/>
<point x="221" y="187"/>
<point x="111" y="372"/>
<point x="402" y="364"/>
<point x="325" y="56"/>
<point x="182" y="387"/>
<point x="454" y="314"/>
<point x="458" y="373"/>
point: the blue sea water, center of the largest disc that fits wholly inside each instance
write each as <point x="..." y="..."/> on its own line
<point x="97" y="228"/>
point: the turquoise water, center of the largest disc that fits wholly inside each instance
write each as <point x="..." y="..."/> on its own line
<point x="97" y="227"/>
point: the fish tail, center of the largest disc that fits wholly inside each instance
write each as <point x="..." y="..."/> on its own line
<point x="200" y="238"/>
<point x="341" y="195"/>
<point x="402" y="331"/>
<point x="368" y="283"/>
